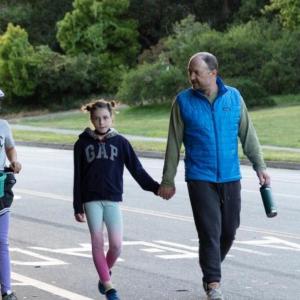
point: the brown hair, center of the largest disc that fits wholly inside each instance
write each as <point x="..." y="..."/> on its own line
<point x="208" y="58"/>
<point x="101" y="103"/>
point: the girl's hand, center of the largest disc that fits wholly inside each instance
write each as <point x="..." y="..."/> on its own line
<point x="15" y="166"/>
<point x="80" y="218"/>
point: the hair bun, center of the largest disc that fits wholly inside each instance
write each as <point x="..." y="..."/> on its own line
<point x="113" y="103"/>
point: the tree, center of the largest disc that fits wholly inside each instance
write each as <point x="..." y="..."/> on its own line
<point x="100" y="27"/>
<point x="289" y="12"/>
<point x="17" y="66"/>
<point x="156" y="17"/>
<point x="37" y="17"/>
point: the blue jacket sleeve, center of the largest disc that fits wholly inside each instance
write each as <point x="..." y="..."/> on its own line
<point x="137" y="171"/>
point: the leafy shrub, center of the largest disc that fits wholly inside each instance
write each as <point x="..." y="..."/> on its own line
<point x="151" y="83"/>
<point x="252" y="92"/>
<point x="17" y="64"/>
<point x="280" y="74"/>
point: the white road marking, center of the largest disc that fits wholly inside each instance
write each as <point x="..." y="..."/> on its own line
<point x="45" y="260"/>
<point x="272" y="242"/>
<point x="48" y="287"/>
<point x="159" y="214"/>
<point x="85" y="247"/>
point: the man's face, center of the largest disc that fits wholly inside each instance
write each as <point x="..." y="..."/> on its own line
<point x="200" y="76"/>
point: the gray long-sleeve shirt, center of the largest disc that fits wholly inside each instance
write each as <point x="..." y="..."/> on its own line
<point x="247" y="135"/>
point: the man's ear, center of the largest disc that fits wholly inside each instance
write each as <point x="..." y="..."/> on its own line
<point x="214" y="72"/>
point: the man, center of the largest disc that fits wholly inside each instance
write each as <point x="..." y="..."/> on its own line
<point x="208" y="118"/>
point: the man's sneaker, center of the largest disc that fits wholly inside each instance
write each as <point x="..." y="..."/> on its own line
<point x="112" y="295"/>
<point x="213" y="291"/>
<point x="11" y="296"/>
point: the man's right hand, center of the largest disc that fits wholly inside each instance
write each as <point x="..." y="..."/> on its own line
<point x="80" y="217"/>
<point x="166" y="192"/>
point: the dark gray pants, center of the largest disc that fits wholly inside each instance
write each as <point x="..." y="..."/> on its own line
<point x="216" y="209"/>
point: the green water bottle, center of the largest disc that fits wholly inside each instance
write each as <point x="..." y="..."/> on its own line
<point x="268" y="201"/>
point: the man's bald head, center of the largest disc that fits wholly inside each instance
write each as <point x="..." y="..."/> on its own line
<point x="210" y="60"/>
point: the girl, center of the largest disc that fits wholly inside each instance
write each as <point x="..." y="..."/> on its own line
<point x="99" y="159"/>
<point x="7" y="149"/>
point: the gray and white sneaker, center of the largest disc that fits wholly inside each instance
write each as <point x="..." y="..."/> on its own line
<point x="214" y="291"/>
<point x="11" y="296"/>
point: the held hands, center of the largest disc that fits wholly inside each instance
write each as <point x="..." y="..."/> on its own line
<point x="264" y="177"/>
<point x="166" y="192"/>
<point x="80" y="218"/>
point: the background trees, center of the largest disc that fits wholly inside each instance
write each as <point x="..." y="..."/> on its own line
<point x="57" y="51"/>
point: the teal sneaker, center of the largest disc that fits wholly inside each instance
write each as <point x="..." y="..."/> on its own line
<point x="101" y="287"/>
<point x="112" y="295"/>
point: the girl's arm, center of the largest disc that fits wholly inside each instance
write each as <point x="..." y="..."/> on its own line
<point x="77" y="203"/>
<point x="137" y="171"/>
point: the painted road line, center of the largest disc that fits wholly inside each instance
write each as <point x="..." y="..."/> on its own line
<point x="193" y="248"/>
<point x="158" y="214"/>
<point x="44" y="260"/>
<point x="48" y="287"/>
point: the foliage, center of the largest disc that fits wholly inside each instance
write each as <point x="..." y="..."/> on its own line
<point x="289" y="12"/>
<point x="252" y="91"/>
<point x="37" y="17"/>
<point x="99" y="27"/>
<point x="17" y="64"/>
<point x="151" y="83"/>
<point x="250" y="10"/>
<point x="280" y="73"/>
<point x="156" y="17"/>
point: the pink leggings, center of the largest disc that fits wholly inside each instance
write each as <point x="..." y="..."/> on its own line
<point x="109" y="213"/>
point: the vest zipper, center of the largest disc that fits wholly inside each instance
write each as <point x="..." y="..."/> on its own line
<point x="216" y="139"/>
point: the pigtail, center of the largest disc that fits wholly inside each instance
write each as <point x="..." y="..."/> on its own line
<point x="101" y="103"/>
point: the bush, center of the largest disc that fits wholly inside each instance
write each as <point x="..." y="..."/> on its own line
<point x="280" y="74"/>
<point x="62" y="77"/>
<point x="151" y="83"/>
<point x="252" y="92"/>
<point x="17" y="64"/>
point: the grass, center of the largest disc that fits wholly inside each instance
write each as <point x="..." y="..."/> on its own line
<point x="278" y="126"/>
<point x="151" y="121"/>
<point x="43" y="137"/>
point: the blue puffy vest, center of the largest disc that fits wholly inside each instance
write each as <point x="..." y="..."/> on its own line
<point x="211" y="134"/>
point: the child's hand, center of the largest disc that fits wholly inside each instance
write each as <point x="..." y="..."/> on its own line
<point x="15" y="166"/>
<point x="80" y="218"/>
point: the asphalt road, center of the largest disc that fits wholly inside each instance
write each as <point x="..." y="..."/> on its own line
<point x="51" y="252"/>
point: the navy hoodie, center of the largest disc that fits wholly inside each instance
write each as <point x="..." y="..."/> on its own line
<point x="99" y="168"/>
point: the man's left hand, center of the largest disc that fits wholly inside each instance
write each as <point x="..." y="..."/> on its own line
<point x="264" y="177"/>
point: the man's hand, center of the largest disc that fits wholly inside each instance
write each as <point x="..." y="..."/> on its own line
<point x="166" y="192"/>
<point x="80" y="217"/>
<point x="264" y="177"/>
<point x="15" y="166"/>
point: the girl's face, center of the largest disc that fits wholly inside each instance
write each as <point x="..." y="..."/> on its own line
<point x="101" y="119"/>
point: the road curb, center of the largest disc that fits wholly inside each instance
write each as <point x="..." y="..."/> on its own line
<point x="161" y="155"/>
